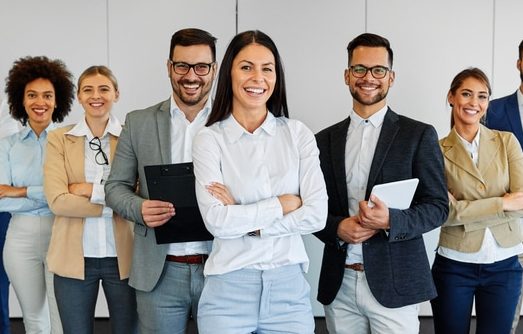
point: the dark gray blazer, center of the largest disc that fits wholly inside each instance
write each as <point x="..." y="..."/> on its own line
<point x="145" y="140"/>
<point x="396" y="266"/>
<point x="503" y="114"/>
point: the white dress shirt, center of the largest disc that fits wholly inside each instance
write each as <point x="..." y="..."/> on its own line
<point x="280" y="157"/>
<point x="490" y="250"/>
<point x="182" y="135"/>
<point x="362" y="138"/>
<point x="519" y="96"/>
<point x="98" y="236"/>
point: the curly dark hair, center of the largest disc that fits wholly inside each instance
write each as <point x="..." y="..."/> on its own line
<point x="28" y="69"/>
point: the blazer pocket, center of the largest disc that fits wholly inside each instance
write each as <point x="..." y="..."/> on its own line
<point x="140" y="229"/>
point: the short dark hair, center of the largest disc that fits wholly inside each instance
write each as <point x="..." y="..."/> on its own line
<point x="193" y="36"/>
<point x="521" y="50"/>
<point x="222" y="105"/>
<point x="457" y="82"/>
<point x="370" y="40"/>
<point x="28" y="69"/>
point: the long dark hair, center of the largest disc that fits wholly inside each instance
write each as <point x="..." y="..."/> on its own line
<point x="222" y="105"/>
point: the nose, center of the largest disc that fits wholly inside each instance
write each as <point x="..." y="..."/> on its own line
<point x="257" y="75"/>
<point x="191" y="73"/>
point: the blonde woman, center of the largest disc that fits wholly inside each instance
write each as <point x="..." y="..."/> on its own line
<point x="89" y="243"/>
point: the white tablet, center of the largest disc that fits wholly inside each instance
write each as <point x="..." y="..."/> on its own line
<point x="396" y="195"/>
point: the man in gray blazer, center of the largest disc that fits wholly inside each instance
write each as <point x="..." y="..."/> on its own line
<point x="168" y="278"/>
<point x="505" y="114"/>
<point x="375" y="269"/>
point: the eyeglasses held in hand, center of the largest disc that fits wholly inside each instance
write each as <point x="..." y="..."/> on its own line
<point x="100" y="157"/>
<point x="378" y="71"/>
<point x="182" y="68"/>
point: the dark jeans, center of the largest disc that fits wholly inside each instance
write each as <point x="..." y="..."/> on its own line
<point x="4" y="281"/>
<point x="76" y="298"/>
<point x="495" y="287"/>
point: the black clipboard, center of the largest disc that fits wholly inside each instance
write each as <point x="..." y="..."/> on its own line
<point x="175" y="183"/>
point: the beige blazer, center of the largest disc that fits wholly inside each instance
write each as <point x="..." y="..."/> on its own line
<point x="478" y="190"/>
<point x="64" y="164"/>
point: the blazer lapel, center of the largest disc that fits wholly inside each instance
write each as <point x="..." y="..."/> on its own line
<point x="388" y="132"/>
<point x="163" y="121"/>
<point x="75" y="157"/>
<point x="489" y="145"/>
<point x="512" y="110"/>
<point x="339" y="140"/>
<point x="455" y="152"/>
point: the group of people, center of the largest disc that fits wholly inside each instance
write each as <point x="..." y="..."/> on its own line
<point x="82" y="214"/>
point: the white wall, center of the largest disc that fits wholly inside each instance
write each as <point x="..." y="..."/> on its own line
<point x="432" y="41"/>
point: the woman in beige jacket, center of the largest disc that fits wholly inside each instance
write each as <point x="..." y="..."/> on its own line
<point x="89" y="243"/>
<point x="479" y="243"/>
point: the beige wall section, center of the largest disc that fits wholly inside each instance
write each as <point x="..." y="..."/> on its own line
<point x="432" y="41"/>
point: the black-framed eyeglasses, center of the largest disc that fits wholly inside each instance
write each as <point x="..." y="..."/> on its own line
<point x="183" y="68"/>
<point x="378" y="71"/>
<point x="100" y="157"/>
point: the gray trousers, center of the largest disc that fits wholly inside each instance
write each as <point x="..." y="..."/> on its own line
<point x="25" y="252"/>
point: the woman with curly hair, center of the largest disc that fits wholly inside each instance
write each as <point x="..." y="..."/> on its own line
<point x="40" y="92"/>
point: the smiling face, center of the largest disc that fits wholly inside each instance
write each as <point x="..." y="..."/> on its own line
<point x="253" y="77"/>
<point x="97" y="94"/>
<point x="190" y="89"/>
<point x="368" y="92"/>
<point x="39" y="103"/>
<point x="469" y="103"/>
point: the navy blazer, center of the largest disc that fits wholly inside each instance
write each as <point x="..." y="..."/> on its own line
<point x="396" y="265"/>
<point x="503" y="114"/>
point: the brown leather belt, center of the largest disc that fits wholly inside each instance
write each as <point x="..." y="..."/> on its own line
<point x="355" y="266"/>
<point x="189" y="259"/>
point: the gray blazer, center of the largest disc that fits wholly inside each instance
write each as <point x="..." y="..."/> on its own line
<point x="145" y="140"/>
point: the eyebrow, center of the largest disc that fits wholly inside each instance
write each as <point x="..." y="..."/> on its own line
<point x="44" y="92"/>
<point x="471" y="91"/>
<point x="251" y="63"/>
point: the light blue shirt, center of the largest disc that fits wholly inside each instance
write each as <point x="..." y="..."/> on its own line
<point x="22" y="157"/>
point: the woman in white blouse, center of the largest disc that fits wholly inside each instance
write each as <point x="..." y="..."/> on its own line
<point x="89" y="243"/>
<point x="259" y="187"/>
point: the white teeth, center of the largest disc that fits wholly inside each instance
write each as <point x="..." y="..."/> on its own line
<point x="96" y="105"/>
<point x="255" y="90"/>
<point x="471" y="111"/>
<point x="191" y="86"/>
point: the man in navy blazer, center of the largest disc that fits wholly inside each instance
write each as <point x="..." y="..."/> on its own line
<point x="375" y="269"/>
<point x="505" y="114"/>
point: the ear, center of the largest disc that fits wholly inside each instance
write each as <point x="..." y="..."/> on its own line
<point x="518" y="65"/>
<point x="116" y="96"/>
<point x="450" y="99"/>
<point x="392" y="77"/>
<point x="169" y="68"/>
<point x="214" y="70"/>
<point x="346" y="76"/>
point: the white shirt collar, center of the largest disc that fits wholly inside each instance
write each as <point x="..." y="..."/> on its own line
<point x="176" y="111"/>
<point x="520" y="99"/>
<point x="376" y="119"/>
<point x="82" y="129"/>
<point x="234" y="130"/>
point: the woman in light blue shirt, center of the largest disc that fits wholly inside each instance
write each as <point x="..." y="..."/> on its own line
<point x="260" y="188"/>
<point x="40" y="92"/>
